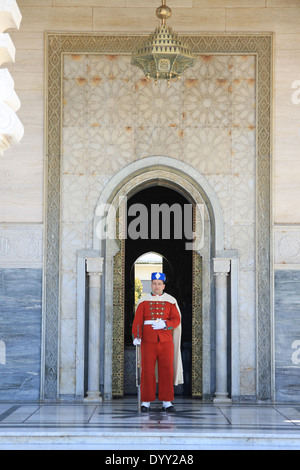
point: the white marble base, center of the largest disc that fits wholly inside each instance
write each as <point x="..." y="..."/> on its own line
<point x="93" y="397"/>
<point x="117" y="425"/>
<point x="221" y="400"/>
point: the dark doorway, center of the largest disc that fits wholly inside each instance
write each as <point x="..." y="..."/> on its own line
<point x="177" y="265"/>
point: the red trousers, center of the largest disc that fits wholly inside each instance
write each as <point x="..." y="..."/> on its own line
<point x="163" y="353"/>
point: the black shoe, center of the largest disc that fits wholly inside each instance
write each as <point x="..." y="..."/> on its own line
<point x="145" y="409"/>
<point x="170" y="409"/>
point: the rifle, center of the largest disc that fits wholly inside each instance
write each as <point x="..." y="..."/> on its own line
<point x="138" y="370"/>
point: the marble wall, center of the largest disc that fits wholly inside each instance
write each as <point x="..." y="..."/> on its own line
<point x="20" y="333"/>
<point x="287" y="335"/>
<point x="22" y="166"/>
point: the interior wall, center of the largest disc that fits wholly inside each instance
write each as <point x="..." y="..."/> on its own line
<point x="112" y="116"/>
<point x="22" y="166"/>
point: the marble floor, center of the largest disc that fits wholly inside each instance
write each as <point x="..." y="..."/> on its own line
<point x="117" y="425"/>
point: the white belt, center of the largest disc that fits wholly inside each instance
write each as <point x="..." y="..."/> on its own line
<point x="150" y="322"/>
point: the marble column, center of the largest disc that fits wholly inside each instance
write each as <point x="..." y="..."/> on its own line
<point x="221" y="271"/>
<point x="94" y="267"/>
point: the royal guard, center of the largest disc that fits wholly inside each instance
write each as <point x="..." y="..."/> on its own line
<point x="157" y="328"/>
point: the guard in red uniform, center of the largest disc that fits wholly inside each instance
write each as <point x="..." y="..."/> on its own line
<point x="157" y="316"/>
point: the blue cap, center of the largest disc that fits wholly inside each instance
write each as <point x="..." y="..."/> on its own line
<point x="158" y="277"/>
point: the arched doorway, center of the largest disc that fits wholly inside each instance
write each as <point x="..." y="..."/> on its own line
<point x="208" y="230"/>
<point x="167" y="216"/>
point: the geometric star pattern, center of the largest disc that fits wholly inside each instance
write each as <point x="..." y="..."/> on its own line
<point x="112" y="117"/>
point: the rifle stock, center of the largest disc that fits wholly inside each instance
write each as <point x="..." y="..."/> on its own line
<point x="138" y="371"/>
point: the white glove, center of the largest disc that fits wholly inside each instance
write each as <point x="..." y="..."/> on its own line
<point x="159" y="325"/>
<point x="137" y="342"/>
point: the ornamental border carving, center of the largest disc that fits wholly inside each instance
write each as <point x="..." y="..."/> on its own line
<point x="58" y="44"/>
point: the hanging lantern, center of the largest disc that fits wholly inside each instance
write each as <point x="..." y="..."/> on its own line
<point x="163" y="55"/>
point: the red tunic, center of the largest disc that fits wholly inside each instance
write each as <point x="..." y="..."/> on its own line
<point x="155" y="309"/>
<point x="157" y="345"/>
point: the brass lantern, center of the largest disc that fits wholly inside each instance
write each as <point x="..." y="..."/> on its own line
<point x="163" y="55"/>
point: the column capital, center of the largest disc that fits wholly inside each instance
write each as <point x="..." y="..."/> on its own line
<point x="94" y="266"/>
<point x="221" y="266"/>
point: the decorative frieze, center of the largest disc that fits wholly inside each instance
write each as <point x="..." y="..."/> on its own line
<point x="287" y="247"/>
<point x="21" y="246"/>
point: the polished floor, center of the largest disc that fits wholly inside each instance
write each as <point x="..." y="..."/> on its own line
<point x="118" y="425"/>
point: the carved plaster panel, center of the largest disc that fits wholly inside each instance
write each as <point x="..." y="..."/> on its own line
<point x="287" y="246"/>
<point x="113" y="117"/>
<point x="21" y="246"/>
